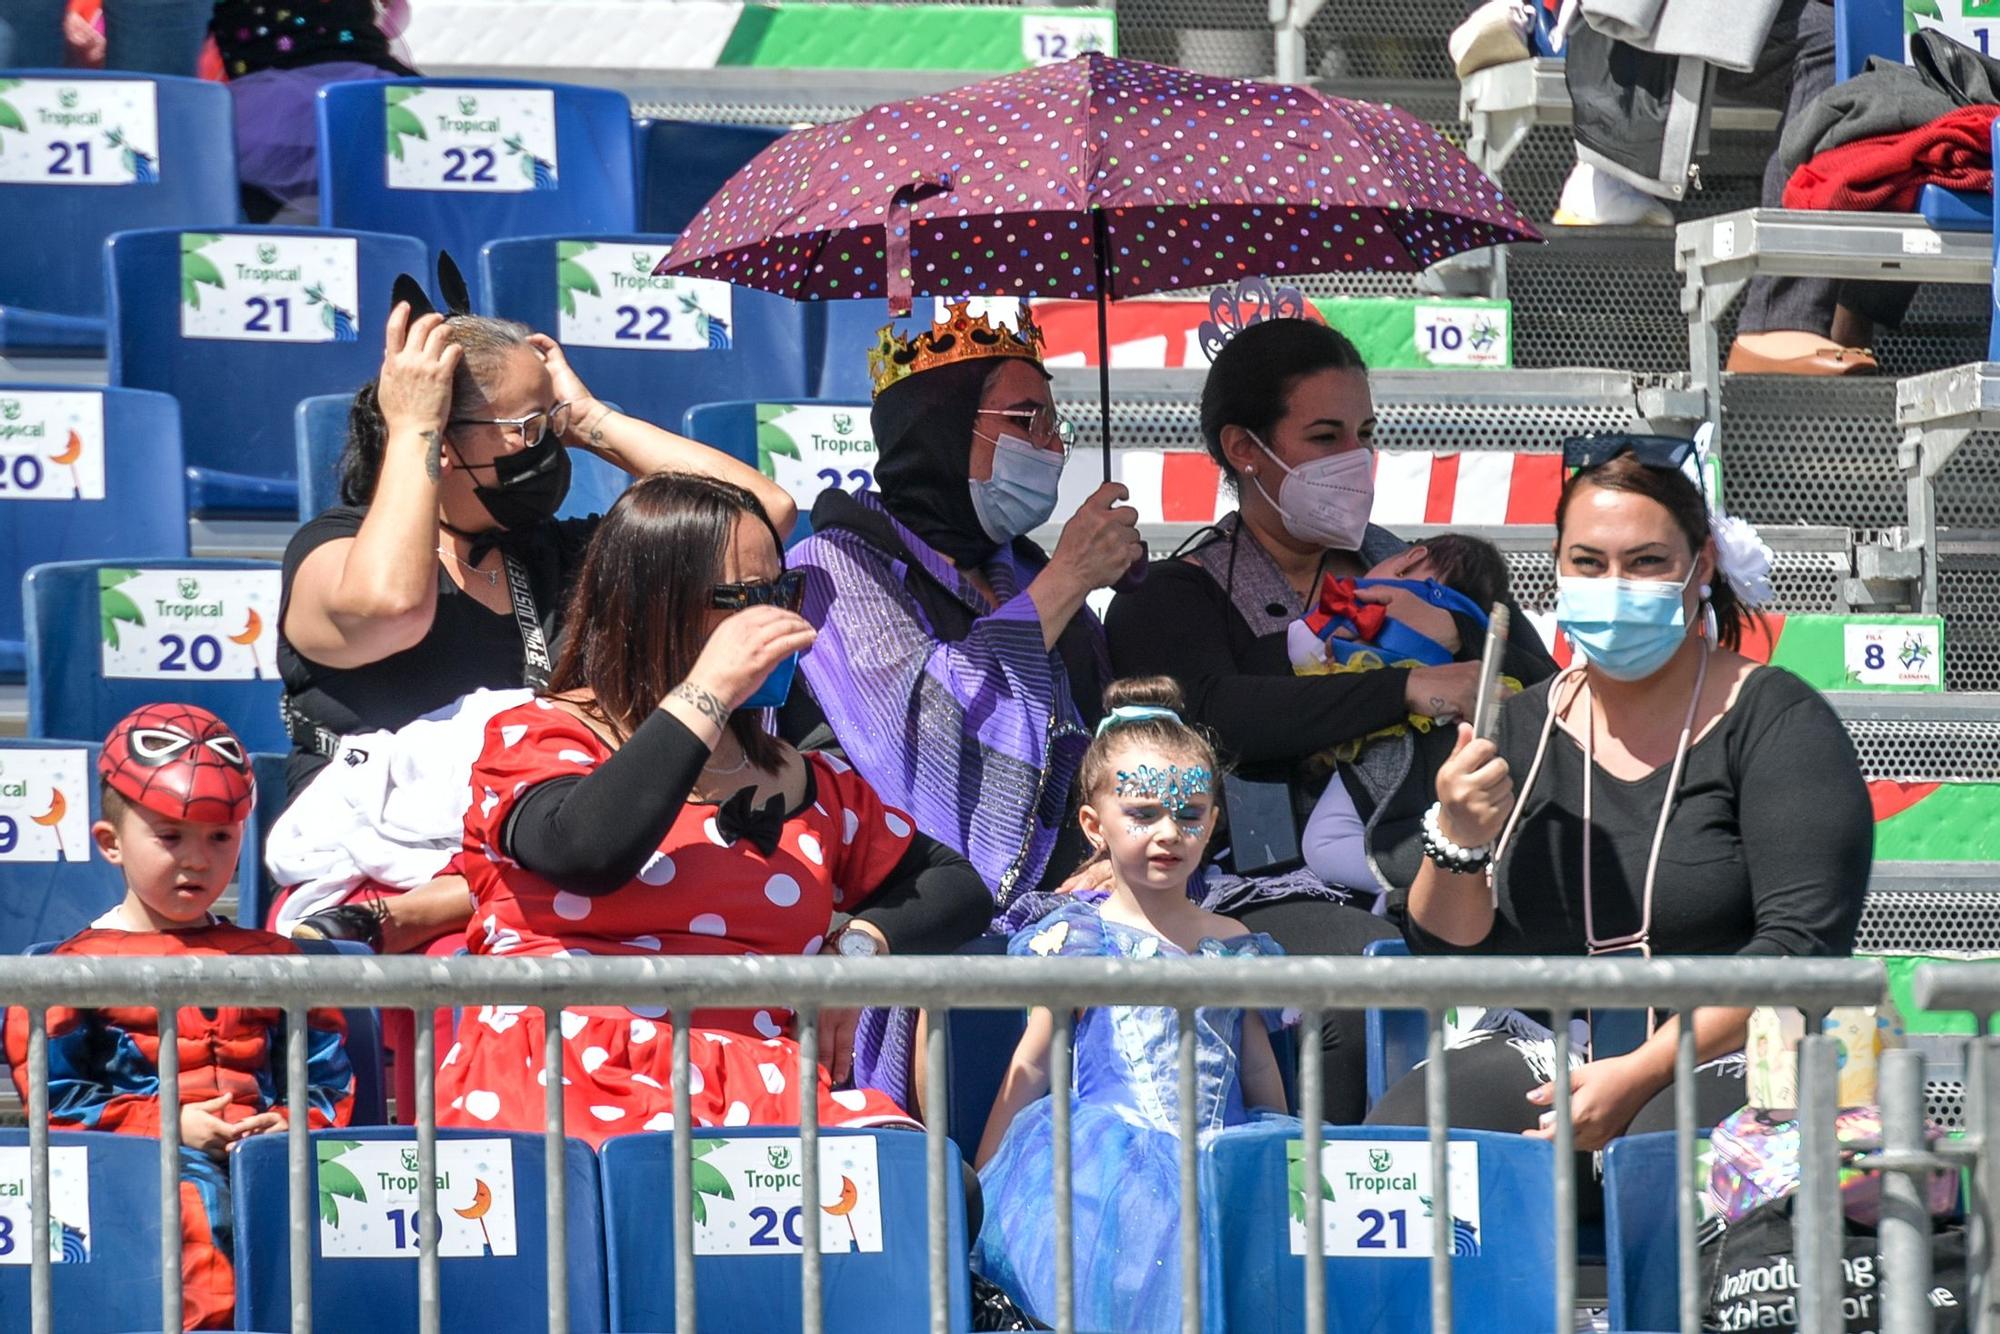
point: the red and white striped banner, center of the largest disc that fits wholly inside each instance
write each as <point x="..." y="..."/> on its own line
<point x="1483" y="489"/>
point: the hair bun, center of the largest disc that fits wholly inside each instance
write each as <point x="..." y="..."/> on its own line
<point x="1150" y="692"/>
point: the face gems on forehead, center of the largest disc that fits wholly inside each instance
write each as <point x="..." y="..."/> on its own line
<point x="1170" y="785"/>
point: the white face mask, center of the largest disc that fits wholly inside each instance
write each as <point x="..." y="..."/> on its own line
<point x="1325" y="501"/>
<point x="1021" y="494"/>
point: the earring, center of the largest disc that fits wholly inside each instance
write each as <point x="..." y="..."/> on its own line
<point x="1708" y="622"/>
<point x="1707" y="592"/>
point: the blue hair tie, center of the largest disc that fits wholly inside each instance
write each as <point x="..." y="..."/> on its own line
<point x="1126" y="714"/>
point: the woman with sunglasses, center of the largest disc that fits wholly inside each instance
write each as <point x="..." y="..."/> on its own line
<point x="1667" y="795"/>
<point x="444" y="569"/>
<point x="638" y="807"/>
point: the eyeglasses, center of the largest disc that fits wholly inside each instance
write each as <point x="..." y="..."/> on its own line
<point x="526" y="430"/>
<point x="1037" y="424"/>
<point x="1666" y="452"/>
<point x="788" y="590"/>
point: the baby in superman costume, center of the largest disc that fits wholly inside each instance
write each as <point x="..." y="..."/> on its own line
<point x="176" y="791"/>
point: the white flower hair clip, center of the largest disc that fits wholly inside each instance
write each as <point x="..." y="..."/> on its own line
<point x="1741" y="555"/>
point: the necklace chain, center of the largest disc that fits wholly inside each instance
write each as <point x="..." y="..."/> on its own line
<point x="492" y="577"/>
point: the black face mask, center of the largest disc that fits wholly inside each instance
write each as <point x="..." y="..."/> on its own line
<point x="528" y="486"/>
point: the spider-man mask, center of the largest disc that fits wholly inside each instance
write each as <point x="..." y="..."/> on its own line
<point x="179" y="761"/>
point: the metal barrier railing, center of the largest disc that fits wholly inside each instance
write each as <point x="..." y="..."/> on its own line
<point x="1562" y="987"/>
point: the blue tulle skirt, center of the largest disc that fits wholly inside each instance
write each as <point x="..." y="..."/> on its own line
<point x="1126" y="1236"/>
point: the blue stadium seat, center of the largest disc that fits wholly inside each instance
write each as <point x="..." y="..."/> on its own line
<point x="766" y="357"/>
<point x="51" y="900"/>
<point x="68" y="693"/>
<point x="319" y="426"/>
<point x="238" y="397"/>
<point x="499" y="1293"/>
<point x="1641" y="1237"/>
<point x="1864" y="28"/>
<point x="887" y="1290"/>
<point x="255" y="893"/>
<point x="1252" y="1281"/>
<point x="732" y="428"/>
<point x="1993" y="331"/>
<point x="979" y="1046"/>
<point x="682" y="163"/>
<point x="52" y="298"/>
<point x="592" y="192"/>
<point x="118" y="1287"/>
<point x="365" y="1047"/>
<point x="143" y="514"/>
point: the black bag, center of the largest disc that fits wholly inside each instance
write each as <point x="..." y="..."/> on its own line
<point x="1752" y="1282"/>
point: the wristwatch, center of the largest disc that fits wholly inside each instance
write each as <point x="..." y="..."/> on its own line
<point x="852" y="944"/>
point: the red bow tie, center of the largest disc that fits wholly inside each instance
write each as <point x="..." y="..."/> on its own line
<point x="1339" y="605"/>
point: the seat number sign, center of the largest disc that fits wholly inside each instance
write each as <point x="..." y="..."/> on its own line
<point x="179" y="625"/>
<point x="746" y="1196"/>
<point x="808" y="448"/>
<point x="269" y="288"/>
<point x="607" y="295"/>
<point x="51" y="445"/>
<point x="69" y="1206"/>
<point x="79" y="132"/>
<point x="1377" y="1198"/>
<point x="368" y="1207"/>
<point x="471" y="140"/>
<point x="44" y="808"/>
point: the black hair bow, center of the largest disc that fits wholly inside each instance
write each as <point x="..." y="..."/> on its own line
<point x="738" y="818"/>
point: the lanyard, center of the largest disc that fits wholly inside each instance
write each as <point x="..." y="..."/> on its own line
<point x="1642" y="938"/>
<point x="535" y="663"/>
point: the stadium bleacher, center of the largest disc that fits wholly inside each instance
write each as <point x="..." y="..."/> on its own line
<point x="1880" y="498"/>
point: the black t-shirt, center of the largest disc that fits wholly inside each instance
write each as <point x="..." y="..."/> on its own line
<point x="255" y="35"/>
<point x="1766" y="852"/>
<point x="467" y="648"/>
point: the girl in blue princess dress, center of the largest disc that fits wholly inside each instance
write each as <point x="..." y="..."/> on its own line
<point x="1148" y="783"/>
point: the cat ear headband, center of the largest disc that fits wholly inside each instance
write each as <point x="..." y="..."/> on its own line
<point x="457" y="297"/>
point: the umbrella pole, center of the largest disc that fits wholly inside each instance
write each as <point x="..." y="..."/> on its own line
<point x="1101" y="242"/>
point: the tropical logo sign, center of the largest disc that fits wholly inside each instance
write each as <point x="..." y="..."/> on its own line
<point x="1967" y="22"/>
<point x="746" y="1196"/>
<point x="51" y="446"/>
<point x="368" y="1199"/>
<point x="79" y="132"/>
<point x="44" y="809"/>
<point x="177" y="625"/>
<point x="809" y="447"/>
<point x="480" y="140"/>
<point x="69" y="1206"/>
<point x="1377" y="1198"/>
<point x="608" y="296"/>
<point x="283" y="289"/>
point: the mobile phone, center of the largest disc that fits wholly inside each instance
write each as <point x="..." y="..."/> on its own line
<point x="1263" y="826"/>
<point x="1486" y="704"/>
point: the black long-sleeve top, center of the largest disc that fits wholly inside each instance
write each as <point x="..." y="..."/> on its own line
<point x="591" y="834"/>
<point x="1766" y="852"/>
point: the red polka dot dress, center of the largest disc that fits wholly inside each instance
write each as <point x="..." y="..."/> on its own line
<point x="700" y="893"/>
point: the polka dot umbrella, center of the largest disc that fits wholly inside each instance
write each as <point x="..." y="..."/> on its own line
<point x="1093" y="178"/>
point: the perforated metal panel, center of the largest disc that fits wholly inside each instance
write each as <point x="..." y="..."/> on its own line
<point x="1969" y="597"/>
<point x="1932" y="751"/>
<point x="1947" y="921"/>
<point x="1944" y="1103"/>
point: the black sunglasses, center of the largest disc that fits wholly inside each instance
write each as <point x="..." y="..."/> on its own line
<point x="788" y="590"/>
<point x="1665" y="452"/>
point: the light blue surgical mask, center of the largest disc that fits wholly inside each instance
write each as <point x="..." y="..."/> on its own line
<point x="1021" y="494"/>
<point x="1626" y="628"/>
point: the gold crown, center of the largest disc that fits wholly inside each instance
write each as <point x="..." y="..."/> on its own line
<point x="959" y="338"/>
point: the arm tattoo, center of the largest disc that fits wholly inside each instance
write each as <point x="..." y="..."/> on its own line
<point x="1438" y="706"/>
<point x="704" y="702"/>
<point x="597" y="429"/>
<point x="434" y="456"/>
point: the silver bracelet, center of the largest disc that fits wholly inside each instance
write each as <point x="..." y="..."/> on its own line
<point x="1447" y="854"/>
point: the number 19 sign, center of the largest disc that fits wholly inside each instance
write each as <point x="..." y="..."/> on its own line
<point x="1377" y="1198"/>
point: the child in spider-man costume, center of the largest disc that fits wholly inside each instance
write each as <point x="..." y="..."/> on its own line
<point x="176" y="791"/>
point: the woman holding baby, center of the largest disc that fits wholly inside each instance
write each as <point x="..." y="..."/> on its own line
<point x="1287" y="415"/>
